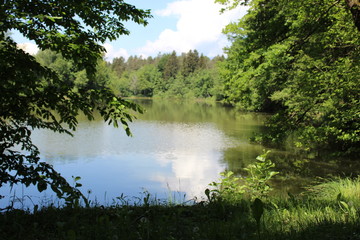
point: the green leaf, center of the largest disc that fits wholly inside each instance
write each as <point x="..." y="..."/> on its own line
<point x="41" y="186"/>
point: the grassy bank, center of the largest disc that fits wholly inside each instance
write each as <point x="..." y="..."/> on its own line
<point x="329" y="210"/>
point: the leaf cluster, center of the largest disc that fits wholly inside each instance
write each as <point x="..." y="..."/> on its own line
<point x="299" y="61"/>
<point x="74" y="28"/>
<point x="36" y="95"/>
<point x="233" y="189"/>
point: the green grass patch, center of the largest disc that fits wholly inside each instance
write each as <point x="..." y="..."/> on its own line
<point x="329" y="210"/>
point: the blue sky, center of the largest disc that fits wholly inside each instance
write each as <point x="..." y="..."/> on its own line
<point x="179" y="25"/>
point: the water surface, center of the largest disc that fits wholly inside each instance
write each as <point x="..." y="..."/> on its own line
<point x="178" y="148"/>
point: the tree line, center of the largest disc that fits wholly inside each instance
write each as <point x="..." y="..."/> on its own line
<point x="168" y="75"/>
<point x="188" y="75"/>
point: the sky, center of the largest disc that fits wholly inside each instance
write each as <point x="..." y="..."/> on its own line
<point x="179" y="25"/>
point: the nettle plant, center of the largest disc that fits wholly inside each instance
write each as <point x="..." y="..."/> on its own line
<point x="259" y="175"/>
<point x="232" y="189"/>
<point x="228" y="189"/>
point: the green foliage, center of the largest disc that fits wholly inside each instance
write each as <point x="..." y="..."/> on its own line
<point x="49" y="91"/>
<point x="171" y="66"/>
<point x="296" y="218"/>
<point x="168" y="75"/>
<point x="202" y="82"/>
<point x="190" y="63"/>
<point x="259" y="174"/>
<point x="255" y="185"/>
<point x="298" y="60"/>
<point x="228" y="189"/>
<point x="346" y="190"/>
<point x="74" y="29"/>
<point x="118" y="66"/>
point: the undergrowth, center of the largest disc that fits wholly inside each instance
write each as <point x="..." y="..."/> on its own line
<point x="328" y="210"/>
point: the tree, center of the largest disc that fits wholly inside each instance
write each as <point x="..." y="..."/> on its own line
<point x="203" y="62"/>
<point x="300" y="61"/>
<point x="163" y="68"/>
<point x="190" y="63"/>
<point x="352" y="5"/>
<point x="202" y="83"/>
<point x="135" y="63"/>
<point x="171" y="66"/>
<point x="119" y="66"/>
<point x="35" y="96"/>
<point x="149" y="76"/>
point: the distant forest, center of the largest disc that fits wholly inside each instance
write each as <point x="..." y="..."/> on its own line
<point x="189" y="75"/>
<point x="168" y="75"/>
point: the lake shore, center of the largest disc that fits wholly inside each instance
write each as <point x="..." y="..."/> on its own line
<point x="327" y="211"/>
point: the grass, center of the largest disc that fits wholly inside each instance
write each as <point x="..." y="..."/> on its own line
<point x="330" y="210"/>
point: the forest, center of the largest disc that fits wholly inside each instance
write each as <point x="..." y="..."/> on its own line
<point x="296" y="61"/>
<point x="189" y="75"/>
<point x="300" y="66"/>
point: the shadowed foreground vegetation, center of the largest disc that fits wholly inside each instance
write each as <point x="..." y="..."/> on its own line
<point x="314" y="216"/>
<point x="330" y="210"/>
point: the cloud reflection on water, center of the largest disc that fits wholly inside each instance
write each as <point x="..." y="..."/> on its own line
<point x="162" y="156"/>
<point x="194" y="154"/>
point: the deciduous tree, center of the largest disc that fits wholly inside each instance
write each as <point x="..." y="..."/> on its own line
<point x="299" y="60"/>
<point x="35" y="96"/>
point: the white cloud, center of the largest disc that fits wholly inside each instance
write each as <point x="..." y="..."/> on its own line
<point x="28" y="47"/>
<point x="112" y="53"/>
<point x="199" y="23"/>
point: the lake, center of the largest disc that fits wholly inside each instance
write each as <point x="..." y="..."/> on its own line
<point x="178" y="148"/>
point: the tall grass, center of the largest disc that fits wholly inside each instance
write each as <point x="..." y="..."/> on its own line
<point x="329" y="210"/>
<point x="345" y="189"/>
<point x="319" y="213"/>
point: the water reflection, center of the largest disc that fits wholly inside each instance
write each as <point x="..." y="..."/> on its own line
<point x="194" y="152"/>
<point x="176" y="146"/>
<point x="161" y="156"/>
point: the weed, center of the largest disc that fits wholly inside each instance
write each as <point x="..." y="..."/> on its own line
<point x="327" y="211"/>
<point x="232" y="189"/>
